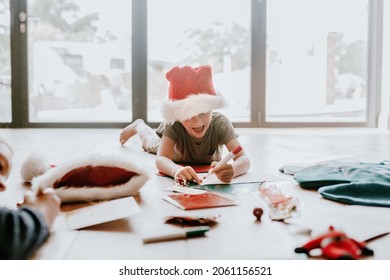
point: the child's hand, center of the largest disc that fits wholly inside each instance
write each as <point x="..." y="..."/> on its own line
<point x="225" y="173"/>
<point x="45" y="201"/>
<point x="187" y="174"/>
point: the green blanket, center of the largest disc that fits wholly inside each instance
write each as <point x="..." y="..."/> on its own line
<point x="360" y="184"/>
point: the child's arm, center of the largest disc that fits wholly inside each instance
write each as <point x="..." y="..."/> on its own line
<point x="45" y="201"/>
<point x="165" y="164"/>
<point x="240" y="165"/>
<point x="25" y="229"/>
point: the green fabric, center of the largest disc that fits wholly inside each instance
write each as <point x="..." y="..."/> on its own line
<point x="361" y="184"/>
<point x="235" y="189"/>
<point x="316" y="176"/>
<point x="370" y="194"/>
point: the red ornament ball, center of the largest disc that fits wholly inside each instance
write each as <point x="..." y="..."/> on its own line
<point x="258" y="212"/>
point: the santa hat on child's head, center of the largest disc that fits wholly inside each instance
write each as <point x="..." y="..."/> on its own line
<point x="191" y="92"/>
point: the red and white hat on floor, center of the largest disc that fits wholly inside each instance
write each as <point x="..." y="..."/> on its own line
<point x="191" y="92"/>
<point x="91" y="178"/>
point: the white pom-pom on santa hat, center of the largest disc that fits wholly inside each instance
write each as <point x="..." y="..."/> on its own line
<point x="34" y="166"/>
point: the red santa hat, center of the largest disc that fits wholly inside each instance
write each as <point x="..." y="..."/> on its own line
<point x="191" y="92"/>
<point x="95" y="177"/>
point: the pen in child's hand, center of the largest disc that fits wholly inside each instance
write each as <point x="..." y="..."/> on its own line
<point x="226" y="159"/>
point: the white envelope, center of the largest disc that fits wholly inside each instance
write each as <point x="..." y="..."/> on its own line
<point x="98" y="213"/>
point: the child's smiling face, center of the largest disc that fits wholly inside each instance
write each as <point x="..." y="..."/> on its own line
<point x="198" y="125"/>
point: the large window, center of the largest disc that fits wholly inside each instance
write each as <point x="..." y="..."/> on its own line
<point x="5" y="64"/>
<point x="79" y="61"/>
<point x="201" y="32"/>
<point x="384" y="116"/>
<point x="317" y="61"/>
<point x="279" y="63"/>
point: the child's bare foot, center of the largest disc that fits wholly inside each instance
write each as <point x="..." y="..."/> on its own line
<point x="129" y="131"/>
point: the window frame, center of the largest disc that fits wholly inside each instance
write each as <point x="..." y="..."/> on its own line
<point x="373" y="75"/>
<point x="19" y="71"/>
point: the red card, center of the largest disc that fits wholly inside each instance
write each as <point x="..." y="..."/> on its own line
<point x="198" y="201"/>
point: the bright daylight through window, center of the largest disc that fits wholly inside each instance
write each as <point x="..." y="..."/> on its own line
<point x="88" y="43"/>
<point x="317" y="60"/>
<point x="5" y="63"/>
<point x="312" y="59"/>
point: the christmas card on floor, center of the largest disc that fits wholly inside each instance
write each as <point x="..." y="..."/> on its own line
<point x="198" y="201"/>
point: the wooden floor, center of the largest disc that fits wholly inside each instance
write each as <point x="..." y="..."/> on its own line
<point x="237" y="235"/>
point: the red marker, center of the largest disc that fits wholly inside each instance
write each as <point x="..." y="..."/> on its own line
<point x="226" y="159"/>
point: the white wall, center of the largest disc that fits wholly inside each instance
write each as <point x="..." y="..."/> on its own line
<point x="384" y="117"/>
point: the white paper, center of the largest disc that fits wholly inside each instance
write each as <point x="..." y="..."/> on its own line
<point x="98" y="213"/>
<point x="212" y="179"/>
<point x="186" y="190"/>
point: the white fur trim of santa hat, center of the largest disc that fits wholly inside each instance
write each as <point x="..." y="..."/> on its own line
<point x="195" y="104"/>
<point x="72" y="193"/>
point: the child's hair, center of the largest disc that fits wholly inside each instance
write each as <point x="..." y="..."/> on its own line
<point x="6" y="143"/>
<point x="6" y="154"/>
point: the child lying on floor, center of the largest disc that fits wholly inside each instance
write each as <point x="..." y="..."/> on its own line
<point x="191" y="132"/>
